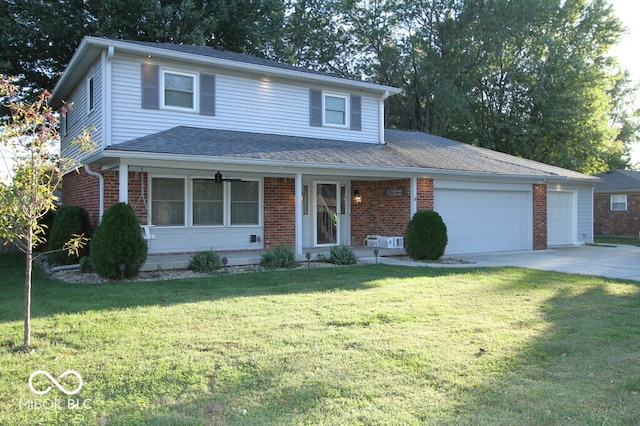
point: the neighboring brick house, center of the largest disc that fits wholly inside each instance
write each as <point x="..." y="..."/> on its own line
<point x="616" y="208"/>
<point x="216" y="149"/>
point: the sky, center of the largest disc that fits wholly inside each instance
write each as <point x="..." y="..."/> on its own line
<point x="628" y="50"/>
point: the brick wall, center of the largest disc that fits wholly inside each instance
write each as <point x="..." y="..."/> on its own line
<point x="539" y="216"/>
<point x="379" y="213"/>
<point x="620" y="223"/>
<point x="425" y="194"/>
<point x="82" y="189"/>
<point x="279" y="211"/>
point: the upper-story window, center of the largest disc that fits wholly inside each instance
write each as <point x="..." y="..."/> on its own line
<point x="330" y="109"/>
<point x="179" y="90"/>
<point x="335" y="110"/>
<point x="619" y="202"/>
<point x="91" y="94"/>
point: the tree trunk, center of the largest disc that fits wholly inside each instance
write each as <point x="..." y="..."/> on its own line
<point x="27" y="290"/>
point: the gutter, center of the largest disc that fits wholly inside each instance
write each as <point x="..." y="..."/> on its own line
<point x="381" y="117"/>
<point x="101" y="187"/>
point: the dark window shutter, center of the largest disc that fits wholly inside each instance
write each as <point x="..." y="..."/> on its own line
<point x="315" y="108"/>
<point x="356" y="112"/>
<point x="207" y="94"/>
<point x="150" y="86"/>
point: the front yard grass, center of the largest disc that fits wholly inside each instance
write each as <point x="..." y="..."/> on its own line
<point x="629" y="241"/>
<point x="356" y="345"/>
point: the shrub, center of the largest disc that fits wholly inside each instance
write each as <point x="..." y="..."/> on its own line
<point x="85" y="265"/>
<point x="69" y="221"/>
<point x="205" y="261"/>
<point x="47" y="223"/>
<point x="342" y="255"/>
<point x="280" y="257"/>
<point x="118" y="240"/>
<point x="426" y="236"/>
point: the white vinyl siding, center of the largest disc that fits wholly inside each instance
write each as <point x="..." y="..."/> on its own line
<point x="79" y="115"/>
<point x="242" y="103"/>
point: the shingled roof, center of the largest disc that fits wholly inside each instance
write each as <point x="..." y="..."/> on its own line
<point x="407" y="151"/>
<point x="618" y="180"/>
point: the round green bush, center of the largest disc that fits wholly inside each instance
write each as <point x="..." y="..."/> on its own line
<point x="280" y="257"/>
<point x="205" y="261"/>
<point x="118" y="240"/>
<point x="68" y="221"/>
<point x="426" y="236"/>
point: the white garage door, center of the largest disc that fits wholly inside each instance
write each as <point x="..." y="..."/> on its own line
<point x="485" y="221"/>
<point x="560" y="218"/>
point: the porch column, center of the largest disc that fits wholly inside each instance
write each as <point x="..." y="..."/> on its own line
<point x="123" y="184"/>
<point x="298" y="230"/>
<point x="414" y="196"/>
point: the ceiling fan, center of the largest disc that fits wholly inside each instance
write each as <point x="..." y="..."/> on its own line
<point x="218" y="178"/>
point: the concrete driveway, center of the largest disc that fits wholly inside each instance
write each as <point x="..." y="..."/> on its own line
<point x="612" y="262"/>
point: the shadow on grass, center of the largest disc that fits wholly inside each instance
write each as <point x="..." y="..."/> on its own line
<point x="583" y="369"/>
<point x="51" y="296"/>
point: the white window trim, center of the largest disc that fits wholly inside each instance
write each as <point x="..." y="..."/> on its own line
<point x="91" y="106"/>
<point x="196" y="90"/>
<point x="228" y="205"/>
<point x="186" y="199"/>
<point x="611" y="203"/>
<point x="224" y="204"/>
<point x="347" y="109"/>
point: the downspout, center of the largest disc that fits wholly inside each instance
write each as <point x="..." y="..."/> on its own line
<point x="382" y="99"/>
<point x="106" y="98"/>
<point x="101" y="186"/>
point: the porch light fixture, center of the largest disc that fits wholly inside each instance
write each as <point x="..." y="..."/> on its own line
<point x="357" y="197"/>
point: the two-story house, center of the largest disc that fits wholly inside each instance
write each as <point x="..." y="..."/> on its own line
<point x="225" y="151"/>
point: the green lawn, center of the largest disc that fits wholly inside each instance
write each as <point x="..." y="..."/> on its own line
<point x="357" y="345"/>
<point x="617" y="240"/>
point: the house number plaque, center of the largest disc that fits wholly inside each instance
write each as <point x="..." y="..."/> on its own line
<point x="394" y="191"/>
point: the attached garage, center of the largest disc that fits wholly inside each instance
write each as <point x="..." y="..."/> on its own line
<point x="561" y="218"/>
<point x="490" y="219"/>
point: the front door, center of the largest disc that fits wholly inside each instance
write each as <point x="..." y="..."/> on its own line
<point x="327" y="213"/>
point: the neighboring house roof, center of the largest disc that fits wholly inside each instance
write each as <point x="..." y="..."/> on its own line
<point x="404" y="151"/>
<point x="91" y="48"/>
<point x="618" y="181"/>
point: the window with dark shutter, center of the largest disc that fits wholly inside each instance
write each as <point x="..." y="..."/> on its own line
<point x="356" y="114"/>
<point x="315" y="108"/>
<point x="150" y="86"/>
<point x="207" y="94"/>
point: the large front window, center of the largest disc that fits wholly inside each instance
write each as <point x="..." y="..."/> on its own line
<point x="208" y="202"/>
<point x="179" y="90"/>
<point x="245" y="203"/>
<point x="167" y="207"/>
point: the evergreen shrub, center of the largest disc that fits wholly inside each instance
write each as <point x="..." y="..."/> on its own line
<point x="280" y="257"/>
<point x="426" y="236"/>
<point x="205" y="261"/>
<point x="118" y="240"/>
<point x="342" y="255"/>
<point x="68" y="221"/>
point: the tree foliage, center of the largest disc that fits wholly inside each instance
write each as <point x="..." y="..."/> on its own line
<point x="530" y="78"/>
<point x="28" y="137"/>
